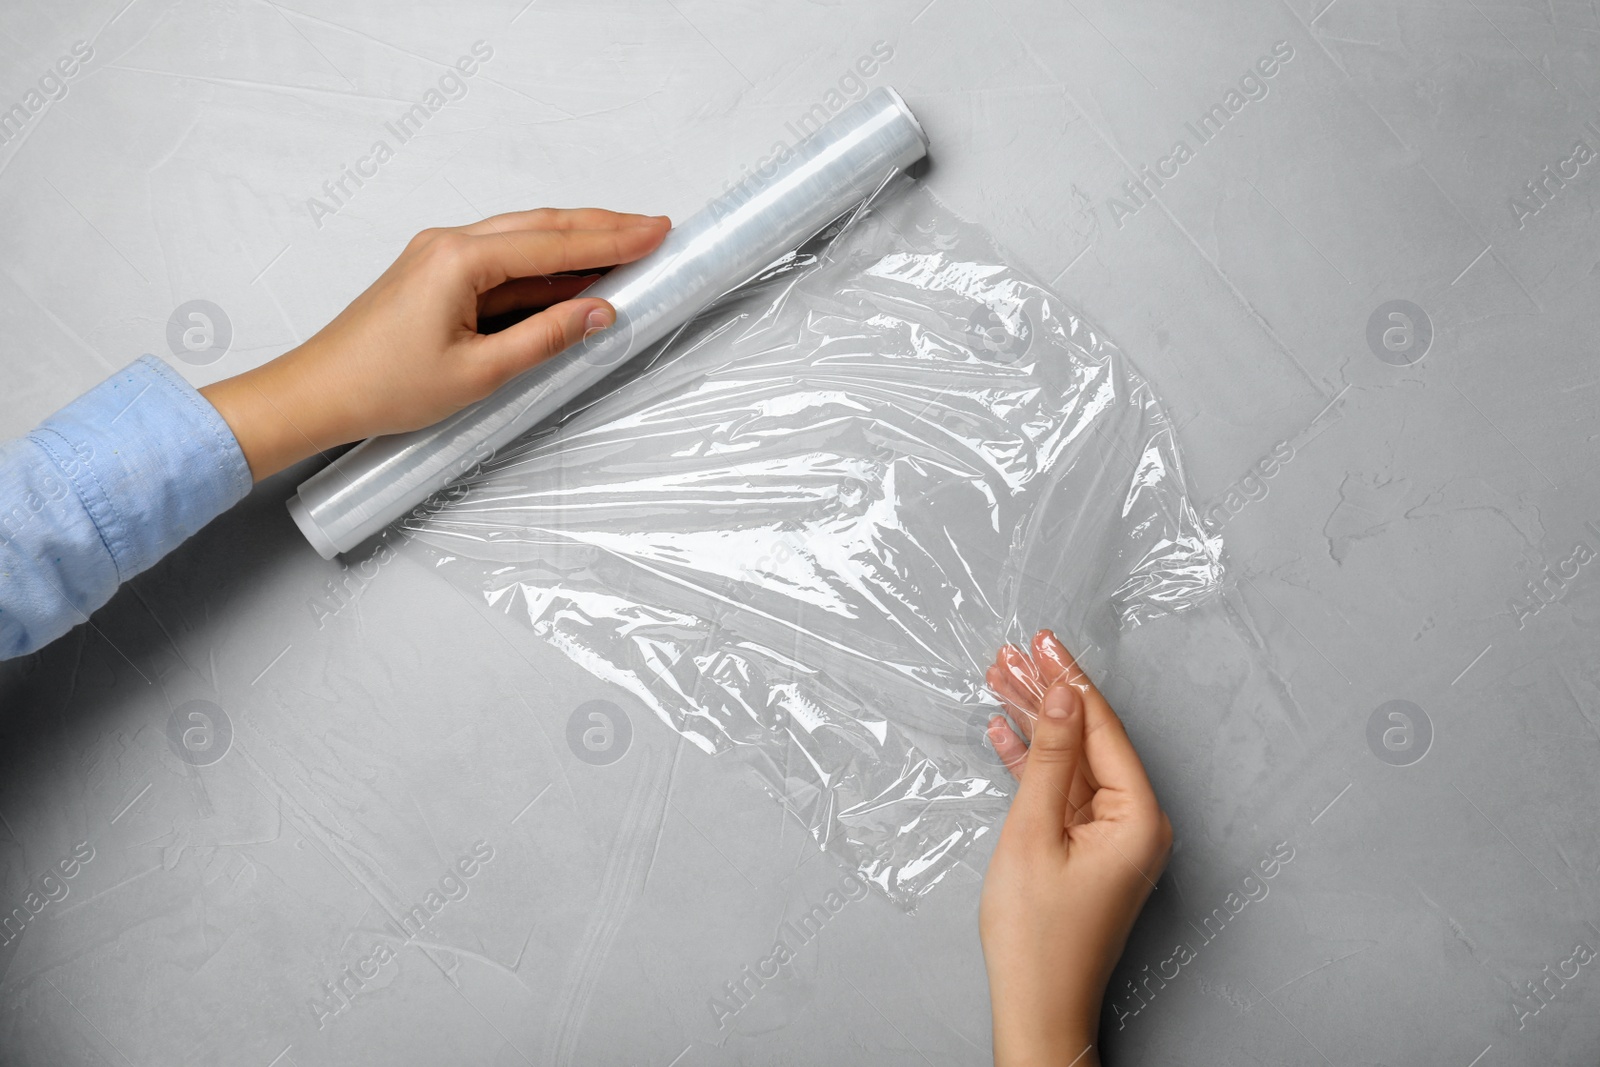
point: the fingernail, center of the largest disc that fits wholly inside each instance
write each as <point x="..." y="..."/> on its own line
<point x="1059" y="701"/>
<point x="599" y="319"/>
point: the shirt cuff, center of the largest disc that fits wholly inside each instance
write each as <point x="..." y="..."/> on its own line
<point x="150" y="459"/>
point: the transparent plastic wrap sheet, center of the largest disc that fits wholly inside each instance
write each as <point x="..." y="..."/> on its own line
<point x="799" y="530"/>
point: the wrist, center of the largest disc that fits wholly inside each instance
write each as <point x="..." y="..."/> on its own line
<point x="1046" y="1039"/>
<point x="274" y="425"/>
<point x="1065" y="1051"/>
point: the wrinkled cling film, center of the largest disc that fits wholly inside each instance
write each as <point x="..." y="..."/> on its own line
<point x="801" y="527"/>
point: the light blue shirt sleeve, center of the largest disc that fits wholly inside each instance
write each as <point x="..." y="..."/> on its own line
<point x="102" y="490"/>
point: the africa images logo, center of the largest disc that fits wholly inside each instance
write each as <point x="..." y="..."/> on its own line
<point x="451" y="87"/>
<point x="1253" y="85"/>
<point x="1253" y="889"/>
<point x="361" y="975"/>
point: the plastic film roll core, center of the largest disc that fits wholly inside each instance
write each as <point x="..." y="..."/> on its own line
<point x="724" y="244"/>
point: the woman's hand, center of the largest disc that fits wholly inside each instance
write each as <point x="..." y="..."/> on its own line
<point x="407" y="352"/>
<point x="1081" y="850"/>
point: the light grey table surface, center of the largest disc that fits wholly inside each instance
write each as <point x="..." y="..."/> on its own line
<point x="1427" y="531"/>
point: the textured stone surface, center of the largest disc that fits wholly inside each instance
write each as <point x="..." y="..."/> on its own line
<point x="1400" y="525"/>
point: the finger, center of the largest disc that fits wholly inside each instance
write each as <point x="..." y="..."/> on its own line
<point x="1018" y="702"/>
<point x="556" y="218"/>
<point x="1027" y="671"/>
<point x="1055" y="662"/>
<point x="1021" y="681"/>
<point x="1015" y="756"/>
<point x="497" y="257"/>
<point x="1021" y="701"/>
<point x="1011" y="749"/>
<point x="540" y="336"/>
<point x="1058" y="744"/>
<point x="1109" y="753"/>
<point x="520" y="293"/>
<point x="1049" y="664"/>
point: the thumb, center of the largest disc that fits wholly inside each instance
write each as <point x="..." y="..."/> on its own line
<point x="538" y="337"/>
<point x="1053" y="759"/>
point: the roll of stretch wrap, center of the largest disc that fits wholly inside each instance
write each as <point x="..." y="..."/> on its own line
<point x="728" y="242"/>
